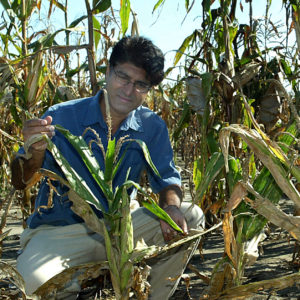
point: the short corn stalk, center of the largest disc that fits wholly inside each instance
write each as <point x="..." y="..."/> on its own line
<point x="116" y="226"/>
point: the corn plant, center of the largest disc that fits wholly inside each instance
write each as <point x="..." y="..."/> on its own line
<point x="116" y="226"/>
<point x="265" y="190"/>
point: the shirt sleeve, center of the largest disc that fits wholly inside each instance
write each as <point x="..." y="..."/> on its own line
<point x="162" y="156"/>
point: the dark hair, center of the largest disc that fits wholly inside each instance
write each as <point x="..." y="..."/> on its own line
<point x="142" y="53"/>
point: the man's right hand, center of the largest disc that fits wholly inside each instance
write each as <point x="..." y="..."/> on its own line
<point x="22" y="174"/>
<point x="36" y="126"/>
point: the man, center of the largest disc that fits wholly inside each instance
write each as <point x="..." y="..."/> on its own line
<point x="56" y="238"/>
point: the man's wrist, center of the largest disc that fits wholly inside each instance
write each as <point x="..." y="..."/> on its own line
<point x="171" y="205"/>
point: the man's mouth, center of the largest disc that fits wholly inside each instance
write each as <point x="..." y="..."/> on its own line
<point x="125" y="99"/>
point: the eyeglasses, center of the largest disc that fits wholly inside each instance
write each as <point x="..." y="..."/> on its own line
<point x="139" y="86"/>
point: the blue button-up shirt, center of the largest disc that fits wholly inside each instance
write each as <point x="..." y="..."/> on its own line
<point x="76" y="116"/>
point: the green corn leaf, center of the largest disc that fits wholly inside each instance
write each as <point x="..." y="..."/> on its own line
<point x="77" y="21"/>
<point x="158" y="3"/>
<point x="88" y="158"/>
<point x="124" y="15"/>
<point x="152" y="206"/>
<point x="183" y="47"/>
<point x="109" y="160"/>
<point x="101" y="6"/>
<point x="147" y="156"/>
<point x="206" y="5"/>
<point x="197" y="175"/>
<point x="96" y="31"/>
<point x="214" y="166"/>
<point x="234" y="174"/>
<point x="126" y="275"/>
<point x="6" y="4"/>
<point x="183" y="122"/>
<point x="75" y="181"/>
<point x="119" y="194"/>
<point x="117" y="165"/>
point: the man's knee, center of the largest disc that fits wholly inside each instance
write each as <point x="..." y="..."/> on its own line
<point x="193" y="214"/>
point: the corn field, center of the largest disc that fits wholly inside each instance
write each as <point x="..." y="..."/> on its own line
<point x="233" y="117"/>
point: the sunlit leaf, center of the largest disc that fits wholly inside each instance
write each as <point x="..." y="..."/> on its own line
<point x="158" y="3"/>
<point x="197" y="175"/>
<point x="183" y="47"/>
<point x="96" y="31"/>
<point x="147" y="156"/>
<point x="75" y="181"/>
<point x="109" y="160"/>
<point x="88" y="158"/>
<point x="124" y="14"/>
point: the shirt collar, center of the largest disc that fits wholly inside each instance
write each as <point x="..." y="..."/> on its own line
<point x="94" y="115"/>
<point x="133" y="121"/>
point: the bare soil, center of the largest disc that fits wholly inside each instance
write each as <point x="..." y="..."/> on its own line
<point x="275" y="260"/>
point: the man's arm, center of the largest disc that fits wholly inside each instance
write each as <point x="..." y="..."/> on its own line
<point x="22" y="170"/>
<point x="170" y="199"/>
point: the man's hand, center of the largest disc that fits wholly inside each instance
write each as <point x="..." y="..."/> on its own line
<point x="22" y="174"/>
<point x="175" y="213"/>
<point x="36" y="126"/>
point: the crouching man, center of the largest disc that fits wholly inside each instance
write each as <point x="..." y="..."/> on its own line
<point x="57" y="238"/>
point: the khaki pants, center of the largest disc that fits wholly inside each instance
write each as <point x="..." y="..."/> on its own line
<point x="48" y="250"/>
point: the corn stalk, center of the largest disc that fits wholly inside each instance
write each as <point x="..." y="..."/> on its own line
<point x="118" y="233"/>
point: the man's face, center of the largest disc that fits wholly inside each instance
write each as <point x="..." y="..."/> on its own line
<point x="127" y="87"/>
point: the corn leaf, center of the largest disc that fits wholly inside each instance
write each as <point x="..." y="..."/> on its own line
<point x="88" y="158"/>
<point x="124" y="14"/>
<point x="151" y="205"/>
<point x="147" y="156"/>
<point x="265" y="154"/>
<point x="159" y="2"/>
<point x="109" y="160"/>
<point x="75" y="181"/>
<point x="101" y="6"/>
<point x="96" y="32"/>
<point x="183" y="47"/>
<point x="214" y="166"/>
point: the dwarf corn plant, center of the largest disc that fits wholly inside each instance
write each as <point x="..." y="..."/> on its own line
<point x="116" y="225"/>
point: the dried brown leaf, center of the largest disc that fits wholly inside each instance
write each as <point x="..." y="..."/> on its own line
<point x="9" y="272"/>
<point x="237" y="195"/>
<point x="247" y="290"/>
<point x="229" y="239"/>
<point x="86" y="272"/>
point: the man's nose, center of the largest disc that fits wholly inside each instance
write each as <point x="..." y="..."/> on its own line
<point x="129" y="88"/>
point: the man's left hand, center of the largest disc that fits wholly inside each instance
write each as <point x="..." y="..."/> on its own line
<point x="175" y="213"/>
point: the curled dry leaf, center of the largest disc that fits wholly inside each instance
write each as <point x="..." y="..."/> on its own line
<point x="86" y="272"/>
<point x="237" y="195"/>
<point x="141" y="286"/>
<point x="195" y="94"/>
<point x="276" y="216"/>
<point x="9" y="272"/>
<point x="247" y="290"/>
<point x="229" y="238"/>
